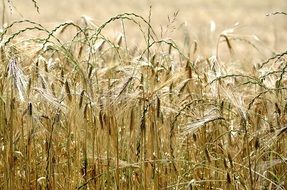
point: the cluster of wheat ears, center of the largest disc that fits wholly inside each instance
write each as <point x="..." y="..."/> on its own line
<point x="81" y="111"/>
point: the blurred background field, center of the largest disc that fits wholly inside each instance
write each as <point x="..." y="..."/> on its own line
<point x="251" y="15"/>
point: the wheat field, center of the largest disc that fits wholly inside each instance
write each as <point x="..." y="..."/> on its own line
<point x="143" y="95"/>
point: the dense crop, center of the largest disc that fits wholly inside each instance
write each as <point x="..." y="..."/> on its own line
<point x="79" y="110"/>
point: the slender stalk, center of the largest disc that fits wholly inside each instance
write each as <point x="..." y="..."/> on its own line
<point x="3" y="12"/>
